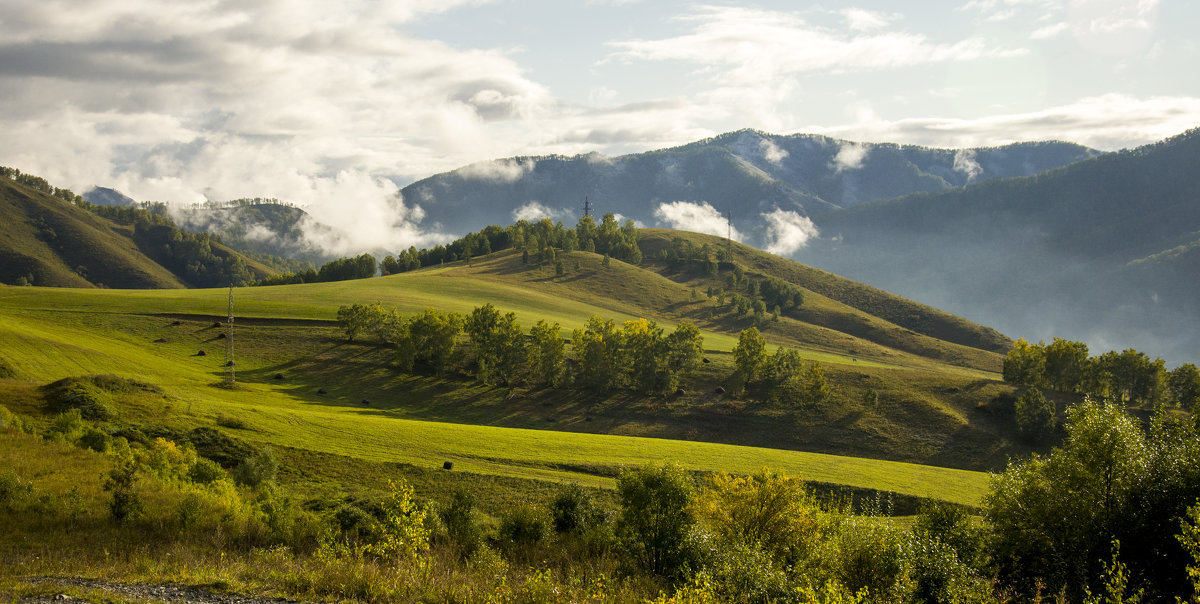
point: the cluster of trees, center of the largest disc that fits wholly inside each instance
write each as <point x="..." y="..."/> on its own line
<point x="1129" y="377"/>
<point x="38" y="184"/>
<point x="782" y="377"/>
<point x="637" y="354"/>
<point x="189" y="255"/>
<point x="362" y="266"/>
<point x="542" y="237"/>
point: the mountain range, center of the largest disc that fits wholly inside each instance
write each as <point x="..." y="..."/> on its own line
<point x="746" y="173"/>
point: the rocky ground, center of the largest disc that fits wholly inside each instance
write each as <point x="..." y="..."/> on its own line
<point x="74" y="589"/>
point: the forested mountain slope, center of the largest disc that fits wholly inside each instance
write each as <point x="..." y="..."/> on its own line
<point x="745" y="172"/>
<point x="48" y="240"/>
<point x="1103" y="250"/>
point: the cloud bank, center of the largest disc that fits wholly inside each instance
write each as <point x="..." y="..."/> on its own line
<point x="787" y="232"/>
<point x="696" y="217"/>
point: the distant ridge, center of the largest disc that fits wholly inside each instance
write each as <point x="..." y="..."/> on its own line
<point x="747" y="172"/>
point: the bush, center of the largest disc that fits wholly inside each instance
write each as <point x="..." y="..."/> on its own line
<point x="230" y="421"/>
<point x="574" y="509"/>
<point x="656" y="519"/>
<point x="66" y="427"/>
<point x="1035" y="414"/>
<point x="95" y="439"/>
<point x="14" y="492"/>
<point x="258" y="468"/>
<point x="92" y="402"/>
<point x="458" y="516"/>
<point x="10" y="420"/>
<point x="126" y="503"/>
<point x="206" y="471"/>
<point x="523" y="525"/>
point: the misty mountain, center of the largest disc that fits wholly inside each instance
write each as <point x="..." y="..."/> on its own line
<point x="1105" y="250"/>
<point x="259" y="226"/>
<point x="747" y="173"/>
<point x="104" y="196"/>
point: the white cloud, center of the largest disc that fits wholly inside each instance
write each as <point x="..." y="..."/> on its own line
<point x="534" y="211"/>
<point x="696" y="217"/>
<point x="500" y="170"/>
<point x="771" y="152"/>
<point x="787" y="231"/>
<point x="964" y="161"/>
<point x="858" y="19"/>
<point x="850" y="156"/>
<point x="1108" y="122"/>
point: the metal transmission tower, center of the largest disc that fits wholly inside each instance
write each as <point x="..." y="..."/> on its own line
<point x="229" y="371"/>
<point x="587" y="206"/>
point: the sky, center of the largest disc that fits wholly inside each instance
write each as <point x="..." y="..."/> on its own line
<point x="336" y="104"/>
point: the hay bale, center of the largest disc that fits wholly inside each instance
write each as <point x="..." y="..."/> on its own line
<point x="320" y="391"/>
<point x="720" y="390"/>
<point x="161" y="341"/>
<point x="366" y="402"/>
<point x="447" y="465"/>
<point x="176" y="323"/>
<point x="229" y="363"/>
<point x="680" y="392"/>
<point x="201" y="353"/>
<point x="706" y="361"/>
<point x="279" y="376"/>
<point x="216" y="324"/>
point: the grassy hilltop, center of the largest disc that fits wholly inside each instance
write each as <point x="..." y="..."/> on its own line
<point x="344" y="421"/>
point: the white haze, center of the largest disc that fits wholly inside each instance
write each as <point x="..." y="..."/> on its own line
<point x="787" y="232"/>
<point x="534" y="211"/>
<point x="696" y="217"/>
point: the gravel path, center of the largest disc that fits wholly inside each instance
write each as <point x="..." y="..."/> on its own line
<point x="142" y="592"/>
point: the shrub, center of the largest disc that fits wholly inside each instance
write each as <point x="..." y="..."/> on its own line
<point x="92" y="402"/>
<point x="10" y="420"/>
<point x="458" y="516"/>
<point x="95" y="439"/>
<point x="230" y="421"/>
<point x="523" y="525"/>
<point x="206" y="471"/>
<point x="656" y="519"/>
<point x="126" y="503"/>
<point x="66" y="427"/>
<point x="14" y="492"/>
<point x="258" y="468"/>
<point x="574" y="509"/>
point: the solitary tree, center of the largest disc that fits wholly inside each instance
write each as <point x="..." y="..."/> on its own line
<point x="749" y="354"/>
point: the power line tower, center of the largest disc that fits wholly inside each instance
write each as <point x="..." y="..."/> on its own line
<point x="229" y="370"/>
<point x="587" y="206"/>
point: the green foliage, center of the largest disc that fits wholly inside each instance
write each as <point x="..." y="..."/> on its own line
<point x="1054" y="518"/>
<point x="546" y="353"/>
<point x="91" y="402"/>
<point x="403" y="535"/>
<point x="1184" y="384"/>
<point x="428" y="339"/>
<point x="523" y="525"/>
<point x="749" y="355"/>
<point x="126" y="503"/>
<point x="14" y="491"/>
<point x="358" y="318"/>
<point x="1025" y="364"/>
<point x="574" y="509"/>
<point x="257" y="469"/>
<point x="598" y="349"/>
<point x="497" y="343"/>
<point x="1035" y="415"/>
<point x="656" y="519"/>
<point x="1066" y="365"/>
<point x="206" y="471"/>
<point x="458" y="516"/>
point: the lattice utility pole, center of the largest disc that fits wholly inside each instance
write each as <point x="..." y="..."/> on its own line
<point x="587" y="206"/>
<point x="229" y="370"/>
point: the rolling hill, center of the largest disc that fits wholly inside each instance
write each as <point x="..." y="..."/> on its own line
<point x="49" y="241"/>
<point x="746" y="172"/>
<point x="1103" y="250"/>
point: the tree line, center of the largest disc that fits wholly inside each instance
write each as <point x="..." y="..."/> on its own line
<point x="1128" y="377"/>
<point x="492" y="346"/>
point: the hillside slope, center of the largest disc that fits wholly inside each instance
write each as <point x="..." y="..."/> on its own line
<point x="1103" y="250"/>
<point x="48" y="241"/>
<point x="745" y="172"/>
